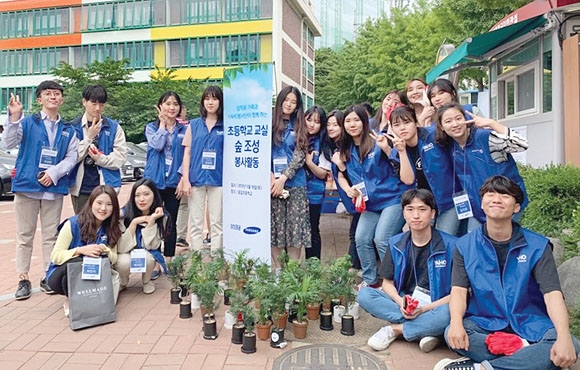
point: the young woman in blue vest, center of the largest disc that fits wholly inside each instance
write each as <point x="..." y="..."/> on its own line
<point x="479" y="148"/>
<point x="317" y="168"/>
<point x="93" y="232"/>
<point x="443" y="92"/>
<point x="426" y="165"/>
<point x="145" y="226"/>
<point x="374" y="179"/>
<point x="203" y="169"/>
<point x="290" y="227"/>
<point x="417" y="95"/>
<point x="391" y="100"/>
<point x="164" y="158"/>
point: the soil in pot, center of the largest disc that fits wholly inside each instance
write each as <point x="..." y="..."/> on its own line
<point x="263" y="330"/>
<point x="300" y="329"/>
<point x="249" y="342"/>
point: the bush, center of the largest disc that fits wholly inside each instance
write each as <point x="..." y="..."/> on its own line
<point x="554" y="192"/>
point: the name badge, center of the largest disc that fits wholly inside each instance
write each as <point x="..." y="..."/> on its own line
<point x="91" y="268"/>
<point x="422" y="295"/>
<point x="280" y="164"/>
<point x="47" y="158"/>
<point x="138" y="257"/>
<point x="363" y="189"/>
<point x="168" y="162"/>
<point x="208" y="160"/>
<point x="462" y="205"/>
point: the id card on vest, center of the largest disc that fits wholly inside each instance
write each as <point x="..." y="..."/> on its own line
<point x="363" y="189"/>
<point x="208" y="160"/>
<point x="138" y="257"/>
<point x="47" y="158"/>
<point x="280" y="164"/>
<point x="462" y="205"/>
<point x="91" y="268"/>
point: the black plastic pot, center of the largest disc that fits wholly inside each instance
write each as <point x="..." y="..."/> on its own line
<point x="326" y="321"/>
<point x="334" y="302"/>
<point x="175" y="296"/>
<point x="249" y="342"/>
<point x="238" y="333"/>
<point x="227" y="293"/>
<point x="209" y="327"/>
<point x="347" y="325"/>
<point x="276" y="337"/>
<point x="185" y="310"/>
<point x="184" y="291"/>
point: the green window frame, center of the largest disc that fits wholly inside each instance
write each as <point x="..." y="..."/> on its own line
<point x="240" y="10"/>
<point x="50" y="21"/>
<point x="27" y="96"/>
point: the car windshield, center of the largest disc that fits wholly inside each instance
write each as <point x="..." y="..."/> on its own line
<point x="136" y="149"/>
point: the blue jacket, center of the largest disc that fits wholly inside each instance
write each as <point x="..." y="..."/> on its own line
<point x="473" y="165"/>
<point x="106" y="145"/>
<point x="439" y="261"/>
<point x="517" y="301"/>
<point x="286" y="150"/>
<point x="155" y="167"/>
<point x="345" y="199"/>
<point x="204" y="140"/>
<point x="315" y="186"/>
<point x="384" y="188"/>
<point x="34" y="138"/>
<point x="76" y="241"/>
<point x="437" y="167"/>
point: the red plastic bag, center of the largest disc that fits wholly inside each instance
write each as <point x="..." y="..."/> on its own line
<point x="359" y="204"/>
<point x="410" y="304"/>
<point x="501" y="343"/>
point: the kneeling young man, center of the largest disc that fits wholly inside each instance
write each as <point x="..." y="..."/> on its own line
<point x="417" y="263"/>
<point x="515" y="289"/>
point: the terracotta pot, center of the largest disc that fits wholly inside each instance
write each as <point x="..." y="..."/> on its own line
<point x="263" y="330"/>
<point x="282" y="320"/>
<point x="300" y="329"/>
<point x="313" y="311"/>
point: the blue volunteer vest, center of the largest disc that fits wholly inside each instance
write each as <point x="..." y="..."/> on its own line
<point x="155" y="168"/>
<point x="204" y="140"/>
<point x="286" y="150"/>
<point x="315" y="187"/>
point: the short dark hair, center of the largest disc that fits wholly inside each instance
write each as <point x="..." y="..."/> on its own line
<point x="423" y="195"/>
<point x="502" y="185"/>
<point x="95" y="93"/>
<point x="404" y="113"/>
<point x="48" y="85"/>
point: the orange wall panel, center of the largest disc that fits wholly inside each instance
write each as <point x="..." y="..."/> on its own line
<point x="10" y="6"/>
<point x="571" y="93"/>
<point x="41" y="41"/>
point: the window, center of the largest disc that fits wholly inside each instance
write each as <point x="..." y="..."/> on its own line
<point x="210" y="51"/>
<point x="100" y="16"/>
<point x="238" y="10"/>
<point x="139" y="53"/>
<point x="50" y="21"/>
<point x="547" y="73"/>
<point x="518" y="92"/>
<point x="27" y="96"/>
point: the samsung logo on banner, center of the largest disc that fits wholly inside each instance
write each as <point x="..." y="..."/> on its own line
<point x="251" y="230"/>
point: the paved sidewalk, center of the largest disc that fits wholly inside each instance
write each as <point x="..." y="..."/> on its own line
<point x="148" y="333"/>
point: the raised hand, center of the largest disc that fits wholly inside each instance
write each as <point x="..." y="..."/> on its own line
<point x="381" y="140"/>
<point x="162" y="117"/>
<point x="15" y="107"/>
<point x="95" y="128"/>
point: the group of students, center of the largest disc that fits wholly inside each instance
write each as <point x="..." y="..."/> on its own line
<point x="465" y="268"/>
<point x="84" y="157"/>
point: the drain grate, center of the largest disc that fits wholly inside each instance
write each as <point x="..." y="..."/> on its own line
<point x="327" y="357"/>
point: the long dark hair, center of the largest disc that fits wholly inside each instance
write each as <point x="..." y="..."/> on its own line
<point x="328" y="145"/>
<point x="212" y="91"/>
<point x="440" y="135"/>
<point x="443" y="84"/>
<point x="366" y="142"/>
<point x="278" y="125"/>
<point x="377" y="119"/>
<point x="111" y="224"/>
<point x="166" y="95"/>
<point x="131" y="211"/>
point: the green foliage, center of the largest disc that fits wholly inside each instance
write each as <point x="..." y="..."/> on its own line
<point x="261" y="286"/>
<point x="203" y="280"/>
<point x="241" y="267"/>
<point x="553" y="192"/>
<point x="130" y="103"/>
<point x="176" y="270"/>
<point x="303" y="288"/>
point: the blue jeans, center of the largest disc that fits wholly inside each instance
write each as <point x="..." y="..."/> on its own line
<point x="448" y="222"/>
<point x="380" y="226"/>
<point x="379" y="304"/>
<point x="536" y="356"/>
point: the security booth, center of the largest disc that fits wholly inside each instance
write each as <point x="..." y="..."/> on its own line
<point x="533" y="61"/>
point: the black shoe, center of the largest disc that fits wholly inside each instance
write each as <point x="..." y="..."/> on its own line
<point x="23" y="291"/>
<point x="45" y="288"/>
<point x="155" y="274"/>
<point x="182" y="243"/>
<point x="207" y="241"/>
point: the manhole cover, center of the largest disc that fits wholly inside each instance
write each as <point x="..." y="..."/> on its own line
<point x="327" y="357"/>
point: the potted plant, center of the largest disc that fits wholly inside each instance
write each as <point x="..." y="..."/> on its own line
<point x="195" y="264"/>
<point x="249" y="339"/>
<point x="238" y="301"/>
<point x="240" y="269"/>
<point x="302" y="289"/>
<point x="176" y="273"/>
<point x="344" y="279"/>
<point x="315" y="270"/>
<point x="260" y="287"/>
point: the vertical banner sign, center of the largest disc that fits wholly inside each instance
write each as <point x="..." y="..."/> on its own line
<point x="247" y="148"/>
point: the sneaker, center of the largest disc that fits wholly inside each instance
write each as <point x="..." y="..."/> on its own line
<point x="148" y="288"/>
<point x="382" y="339"/>
<point x="428" y="344"/>
<point x="462" y="363"/>
<point x="45" y="288"/>
<point x="23" y="291"/>
<point x="182" y="243"/>
<point x="207" y="241"/>
<point x="364" y="284"/>
<point x="155" y="274"/>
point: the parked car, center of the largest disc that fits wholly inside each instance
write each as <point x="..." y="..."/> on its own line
<point x="7" y="163"/>
<point x="135" y="163"/>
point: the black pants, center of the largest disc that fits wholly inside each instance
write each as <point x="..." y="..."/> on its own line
<point x="355" y="261"/>
<point x="172" y="206"/>
<point x="315" y="249"/>
<point x="58" y="281"/>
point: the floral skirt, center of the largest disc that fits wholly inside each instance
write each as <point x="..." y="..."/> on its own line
<point x="290" y="220"/>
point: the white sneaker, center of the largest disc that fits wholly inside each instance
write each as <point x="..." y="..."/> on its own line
<point x="428" y="344"/>
<point x="382" y="339"/>
<point x="462" y="363"/>
<point x="148" y="288"/>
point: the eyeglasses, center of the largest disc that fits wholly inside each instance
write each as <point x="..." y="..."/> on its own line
<point x="51" y="93"/>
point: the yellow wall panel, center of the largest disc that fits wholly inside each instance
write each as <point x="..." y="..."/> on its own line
<point x="265" y="48"/>
<point x="213" y="29"/>
<point x="159" y="53"/>
<point x="213" y="73"/>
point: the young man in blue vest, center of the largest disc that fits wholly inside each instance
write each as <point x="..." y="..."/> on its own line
<point x="417" y="263"/>
<point x="514" y="289"/>
<point x="48" y="151"/>
<point x="102" y="148"/>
